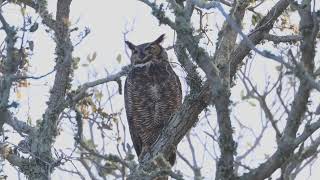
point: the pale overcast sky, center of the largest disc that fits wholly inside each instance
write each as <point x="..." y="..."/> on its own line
<point x="107" y="21"/>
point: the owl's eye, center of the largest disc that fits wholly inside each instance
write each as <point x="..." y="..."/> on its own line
<point x="148" y="48"/>
<point x="155" y="49"/>
<point x="151" y="48"/>
<point x="134" y="51"/>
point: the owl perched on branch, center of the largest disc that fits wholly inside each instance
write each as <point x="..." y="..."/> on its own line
<point x="152" y="95"/>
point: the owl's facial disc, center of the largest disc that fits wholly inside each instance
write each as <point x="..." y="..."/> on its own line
<point x="144" y="53"/>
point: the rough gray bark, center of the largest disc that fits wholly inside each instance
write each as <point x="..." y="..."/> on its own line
<point x="215" y="81"/>
<point x="225" y="166"/>
<point x="257" y="34"/>
<point x="220" y="70"/>
<point x="40" y="141"/>
<point x="43" y="139"/>
<point x="287" y="142"/>
<point x="10" y="67"/>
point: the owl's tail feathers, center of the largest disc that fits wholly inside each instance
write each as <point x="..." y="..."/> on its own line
<point x="172" y="158"/>
<point x="161" y="178"/>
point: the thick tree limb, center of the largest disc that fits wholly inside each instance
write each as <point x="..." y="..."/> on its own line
<point x="257" y="35"/>
<point x="43" y="139"/>
<point x="225" y="166"/>
<point x="237" y="56"/>
<point x="114" y="77"/>
<point x="309" y="28"/>
<point x="10" y="67"/>
<point x="283" y="39"/>
<point x="294" y="164"/>
<point x="226" y="43"/>
<point x="178" y="126"/>
<point x="40" y="6"/>
<point x="229" y="32"/>
<point x="287" y="143"/>
<point x="193" y="78"/>
<point x="20" y="126"/>
<point x="11" y="64"/>
<point x="308" y="131"/>
<point x="160" y="14"/>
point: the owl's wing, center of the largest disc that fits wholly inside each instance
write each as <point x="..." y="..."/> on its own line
<point x="179" y="92"/>
<point x="137" y="143"/>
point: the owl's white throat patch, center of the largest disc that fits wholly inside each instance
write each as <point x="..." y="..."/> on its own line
<point x="146" y="64"/>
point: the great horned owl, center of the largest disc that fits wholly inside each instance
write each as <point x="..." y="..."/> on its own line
<point x="152" y="95"/>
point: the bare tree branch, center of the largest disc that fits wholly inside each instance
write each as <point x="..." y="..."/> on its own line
<point x="20" y="126"/>
<point x="44" y="137"/>
<point x="257" y="35"/>
<point x="283" y="39"/>
<point x="287" y="142"/>
<point x="113" y="77"/>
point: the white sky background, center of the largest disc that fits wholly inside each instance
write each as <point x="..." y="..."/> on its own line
<point x="107" y="21"/>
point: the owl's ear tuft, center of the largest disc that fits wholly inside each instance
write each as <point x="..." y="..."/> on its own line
<point x="130" y="45"/>
<point x="159" y="40"/>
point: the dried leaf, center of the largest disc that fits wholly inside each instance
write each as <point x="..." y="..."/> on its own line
<point x="31" y="45"/>
<point x="5" y="151"/>
<point x="119" y="58"/>
<point x="66" y="22"/>
<point x="242" y="94"/>
<point x="75" y="63"/>
<point x="29" y="120"/>
<point x="92" y="58"/>
<point x="23" y="11"/>
<point x="278" y="68"/>
<point x="252" y="103"/>
<point x="18" y="95"/>
<point x="255" y="18"/>
<point x="98" y="95"/>
<point x="34" y="27"/>
<point x="89" y="143"/>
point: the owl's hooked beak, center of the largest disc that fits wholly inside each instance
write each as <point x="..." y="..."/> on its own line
<point x="144" y="59"/>
<point x="142" y="55"/>
<point x="147" y="58"/>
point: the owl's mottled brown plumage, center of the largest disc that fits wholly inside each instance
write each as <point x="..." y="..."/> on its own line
<point x="152" y="95"/>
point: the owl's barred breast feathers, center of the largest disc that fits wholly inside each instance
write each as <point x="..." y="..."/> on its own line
<point x="152" y="95"/>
